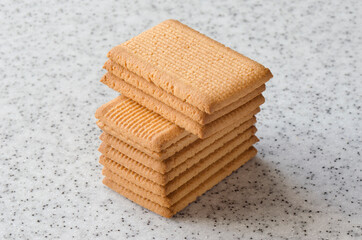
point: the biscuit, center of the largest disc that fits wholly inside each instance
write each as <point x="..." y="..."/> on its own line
<point x="190" y="197"/>
<point x="202" y="131"/>
<point x="150" y="157"/>
<point x="165" y="190"/>
<point x="184" y="189"/>
<point x="163" y="166"/>
<point x="185" y="170"/>
<point x="178" y="165"/>
<point x="122" y="74"/>
<point x="139" y="124"/>
<point x="172" y="149"/>
<point x="190" y="66"/>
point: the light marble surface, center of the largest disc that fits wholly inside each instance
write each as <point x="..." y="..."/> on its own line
<point x="305" y="182"/>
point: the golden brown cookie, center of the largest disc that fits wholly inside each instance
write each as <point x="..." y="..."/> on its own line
<point x="200" y="189"/>
<point x="190" y="66"/>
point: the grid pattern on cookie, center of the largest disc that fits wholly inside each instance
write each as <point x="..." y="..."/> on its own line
<point x="117" y="74"/>
<point x="137" y="119"/>
<point x="195" y="59"/>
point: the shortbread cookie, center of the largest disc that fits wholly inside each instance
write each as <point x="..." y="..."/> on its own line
<point x="190" y="66"/>
<point x="182" y="203"/>
<point x="177" y="174"/>
<point x="179" y="193"/>
<point x="122" y="74"/>
<point x="202" y="131"/>
<point x="139" y="124"/>
<point x="163" y="166"/>
<point x="157" y="163"/>
<point x="165" y="190"/>
<point x="179" y="165"/>
<point x="120" y="142"/>
<point x="169" y="151"/>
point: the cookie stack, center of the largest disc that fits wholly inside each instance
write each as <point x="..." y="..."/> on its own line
<point x="185" y="119"/>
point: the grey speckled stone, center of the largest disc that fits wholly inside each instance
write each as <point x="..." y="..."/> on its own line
<point x="305" y="182"/>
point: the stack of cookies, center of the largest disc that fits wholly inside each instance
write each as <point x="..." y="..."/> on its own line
<point x="184" y="120"/>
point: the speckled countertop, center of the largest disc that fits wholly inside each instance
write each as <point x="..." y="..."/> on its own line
<point x="305" y="182"/>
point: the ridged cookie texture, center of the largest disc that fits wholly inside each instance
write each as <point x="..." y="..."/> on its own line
<point x="166" y="164"/>
<point x="190" y="66"/>
<point x="190" y="151"/>
<point x="202" y="131"/>
<point x="217" y="159"/>
<point x="171" y="198"/>
<point x="139" y="124"/>
<point x="169" y="151"/>
<point x="122" y="74"/>
<point x="191" y="196"/>
<point x="183" y="170"/>
<point x="206" y="156"/>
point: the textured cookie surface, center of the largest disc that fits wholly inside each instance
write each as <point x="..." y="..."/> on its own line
<point x="191" y="66"/>
<point x="164" y="165"/>
<point x="123" y="74"/>
<point x="182" y="172"/>
<point x="190" y="197"/>
<point x="178" y="118"/>
<point x="164" y="153"/>
<point x="139" y="124"/>
<point x="178" y="165"/>
<point x="200" y="169"/>
<point x="184" y="189"/>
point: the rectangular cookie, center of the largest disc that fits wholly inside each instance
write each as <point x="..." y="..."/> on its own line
<point x="163" y="166"/>
<point x="190" y="197"/>
<point x="181" y="173"/>
<point x="206" y="156"/>
<point x="169" y="151"/>
<point x="127" y="146"/>
<point x="195" y="114"/>
<point x="190" y="66"/>
<point x="195" y="171"/>
<point x="184" y="189"/>
<point x="139" y="125"/>
<point x="202" y="131"/>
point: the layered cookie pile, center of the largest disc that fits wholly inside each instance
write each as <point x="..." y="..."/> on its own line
<point x="185" y="119"/>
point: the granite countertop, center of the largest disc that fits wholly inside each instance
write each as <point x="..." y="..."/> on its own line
<point x="305" y="182"/>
